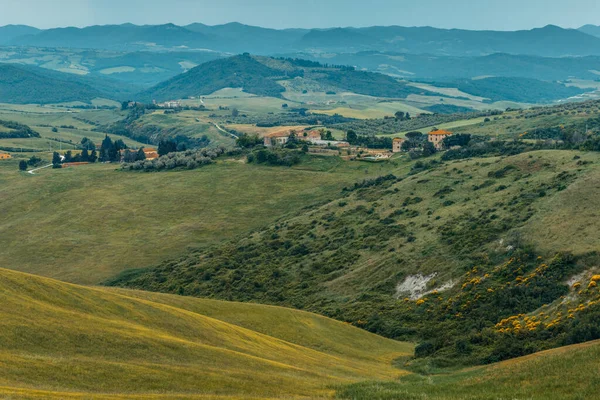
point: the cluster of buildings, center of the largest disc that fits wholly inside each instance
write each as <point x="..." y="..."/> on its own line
<point x="436" y="138"/>
<point x="313" y="137"/>
<point x="5" y="156"/>
<point x="280" y="138"/>
<point x="168" y="104"/>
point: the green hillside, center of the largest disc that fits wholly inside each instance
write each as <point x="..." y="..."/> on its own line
<point x="21" y="84"/>
<point x="443" y="254"/>
<point x="569" y="373"/>
<point x="524" y="90"/>
<point x="14" y="130"/>
<point x="108" y="220"/>
<point x="260" y="76"/>
<point x="65" y="341"/>
<point x="235" y="72"/>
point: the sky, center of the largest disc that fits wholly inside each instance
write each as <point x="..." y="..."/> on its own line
<point x="463" y="14"/>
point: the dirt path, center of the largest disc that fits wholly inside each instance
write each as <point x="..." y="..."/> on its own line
<point x="224" y="131"/>
<point x="32" y="172"/>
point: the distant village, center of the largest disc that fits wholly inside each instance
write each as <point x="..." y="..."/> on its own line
<point x="315" y="138"/>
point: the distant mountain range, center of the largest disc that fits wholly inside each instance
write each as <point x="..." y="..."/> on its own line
<point x="9" y="33"/>
<point x="593" y="30"/>
<point x="550" y="41"/>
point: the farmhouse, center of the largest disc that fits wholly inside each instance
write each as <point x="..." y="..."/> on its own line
<point x="397" y="145"/>
<point x="5" y="156"/>
<point x="150" y="153"/>
<point x="437" y="138"/>
<point x="169" y="104"/>
<point x="282" y="137"/>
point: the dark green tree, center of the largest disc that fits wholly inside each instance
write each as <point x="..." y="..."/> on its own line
<point x="415" y="135"/>
<point x="351" y="137"/>
<point x="246" y="141"/>
<point x="166" y="146"/>
<point x="140" y="156"/>
<point x="428" y="149"/>
<point x="22" y="165"/>
<point x="56" y="160"/>
<point x="106" y="149"/>
<point x="456" y="140"/>
<point x="87" y="144"/>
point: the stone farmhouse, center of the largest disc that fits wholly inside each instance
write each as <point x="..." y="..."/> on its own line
<point x="437" y="138"/>
<point x="281" y="138"/>
<point x="397" y="145"/>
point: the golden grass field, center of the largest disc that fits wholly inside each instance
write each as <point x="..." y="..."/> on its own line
<point x="59" y="340"/>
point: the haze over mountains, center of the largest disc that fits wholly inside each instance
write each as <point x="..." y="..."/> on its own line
<point x="549" y="41"/>
<point x="153" y="60"/>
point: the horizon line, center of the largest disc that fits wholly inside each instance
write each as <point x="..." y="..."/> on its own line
<point x="289" y="28"/>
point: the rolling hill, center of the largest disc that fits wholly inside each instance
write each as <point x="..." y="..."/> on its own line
<point x="23" y="84"/>
<point x="568" y="373"/>
<point x="210" y="207"/>
<point x="64" y="341"/>
<point x="261" y="76"/>
<point x="235" y="72"/>
<point x="444" y="253"/>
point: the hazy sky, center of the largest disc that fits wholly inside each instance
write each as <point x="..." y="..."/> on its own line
<point x="466" y="14"/>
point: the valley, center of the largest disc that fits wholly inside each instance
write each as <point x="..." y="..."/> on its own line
<point x="194" y="211"/>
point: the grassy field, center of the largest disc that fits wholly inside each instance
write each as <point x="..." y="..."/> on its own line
<point x="86" y="224"/>
<point x="474" y="122"/>
<point x="449" y="92"/>
<point x="65" y="341"/>
<point x="377" y="110"/>
<point x="430" y="100"/>
<point x="43" y="119"/>
<point x="187" y="123"/>
<point x="245" y="104"/>
<point x="514" y="127"/>
<point x="568" y="373"/>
